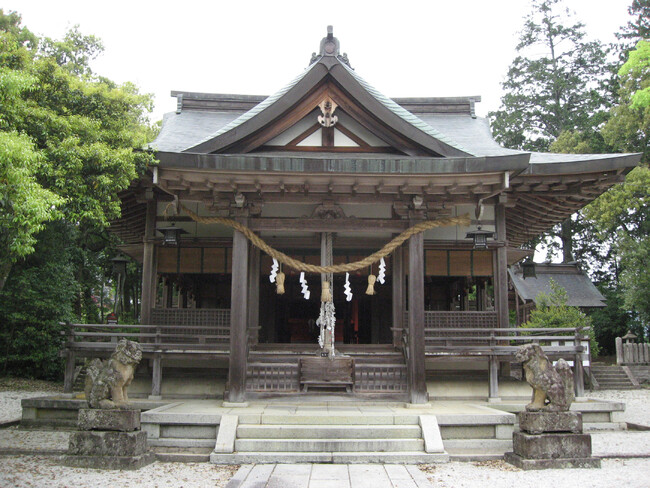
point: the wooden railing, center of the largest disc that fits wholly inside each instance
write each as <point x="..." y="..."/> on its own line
<point x="156" y="341"/>
<point x="479" y="341"/>
<point x="499" y="344"/>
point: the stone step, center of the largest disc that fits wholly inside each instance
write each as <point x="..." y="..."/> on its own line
<point x="472" y="447"/>
<point x="180" y="455"/>
<point x="328" y="445"/>
<point x="180" y="442"/>
<point x="253" y="431"/>
<point x="415" y="457"/>
<point x="342" y="419"/>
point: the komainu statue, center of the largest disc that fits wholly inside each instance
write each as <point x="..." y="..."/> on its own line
<point x="107" y="381"/>
<point x="552" y="385"/>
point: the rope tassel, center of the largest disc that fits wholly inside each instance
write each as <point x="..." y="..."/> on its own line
<point x="279" y="283"/>
<point x="371" y="284"/>
<point x="326" y="294"/>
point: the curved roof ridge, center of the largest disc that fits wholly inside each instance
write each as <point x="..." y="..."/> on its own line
<point x="257" y="108"/>
<point x="404" y="114"/>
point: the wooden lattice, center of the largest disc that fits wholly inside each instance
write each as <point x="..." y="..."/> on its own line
<point x="378" y="378"/>
<point x="457" y="320"/>
<point x="272" y="377"/>
<point x="194" y="322"/>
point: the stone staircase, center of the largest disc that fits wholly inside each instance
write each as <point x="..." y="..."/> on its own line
<point x="332" y="439"/>
<point x="611" y="377"/>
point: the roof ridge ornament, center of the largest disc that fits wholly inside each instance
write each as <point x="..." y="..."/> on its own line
<point x="330" y="47"/>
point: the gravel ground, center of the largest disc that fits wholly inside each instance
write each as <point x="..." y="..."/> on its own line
<point x="44" y="471"/>
<point x="630" y="473"/>
<point x="35" y="471"/>
<point x="10" y="402"/>
<point x="637" y="403"/>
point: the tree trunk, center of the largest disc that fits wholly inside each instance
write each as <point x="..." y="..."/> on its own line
<point x="4" y="274"/>
<point x="566" y="235"/>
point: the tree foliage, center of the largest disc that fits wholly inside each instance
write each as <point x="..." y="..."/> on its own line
<point x="552" y="311"/>
<point x="25" y="205"/>
<point x="558" y="81"/>
<point x="637" y="28"/>
<point x="37" y="297"/>
<point x="70" y="141"/>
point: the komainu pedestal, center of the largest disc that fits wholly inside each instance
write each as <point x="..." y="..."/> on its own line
<point x="563" y="445"/>
<point x="550" y="436"/>
<point x="111" y="439"/>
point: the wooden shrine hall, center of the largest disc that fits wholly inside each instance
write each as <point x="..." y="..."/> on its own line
<point x="328" y="171"/>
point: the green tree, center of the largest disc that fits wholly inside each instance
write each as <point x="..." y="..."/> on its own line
<point x="636" y="29"/>
<point x="25" y="206"/>
<point x="558" y="81"/>
<point x="37" y="297"/>
<point x="73" y="139"/>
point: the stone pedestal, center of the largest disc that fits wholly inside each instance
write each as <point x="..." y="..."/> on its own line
<point x="551" y="440"/>
<point x="110" y="439"/>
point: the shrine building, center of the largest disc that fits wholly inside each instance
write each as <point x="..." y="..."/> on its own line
<point x="328" y="171"/>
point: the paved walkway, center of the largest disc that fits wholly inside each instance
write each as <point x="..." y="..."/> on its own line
<point x="329" y="476"/>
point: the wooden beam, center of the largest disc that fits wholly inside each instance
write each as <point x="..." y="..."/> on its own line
<point x="297" y="140"/>
<point x="416" y="368"/>
<point x="238" y="319"/>
<point x="327" y="225"/>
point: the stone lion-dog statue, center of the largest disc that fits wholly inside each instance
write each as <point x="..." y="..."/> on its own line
<point x="552" y="385"/>
<point x="107" y="381"/>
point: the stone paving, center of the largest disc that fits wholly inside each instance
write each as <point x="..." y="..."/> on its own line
<point x="329" y="476"/>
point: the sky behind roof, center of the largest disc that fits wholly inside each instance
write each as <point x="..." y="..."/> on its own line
<point x="404" y="49"/>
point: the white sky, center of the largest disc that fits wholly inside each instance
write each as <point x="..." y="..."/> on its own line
<point x="403" y="48"/>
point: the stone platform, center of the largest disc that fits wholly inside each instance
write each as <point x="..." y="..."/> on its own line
<point x="110" y="439"/>
<point x="551" y="440"/>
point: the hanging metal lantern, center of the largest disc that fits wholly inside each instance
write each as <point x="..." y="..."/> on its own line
<point x="528" y="269"/>
<point x="119" y="265"/>
<point x="480" y="237"/>
<point x="171" y="235"/>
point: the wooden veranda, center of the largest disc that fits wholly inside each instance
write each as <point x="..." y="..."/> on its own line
<point x="274" y="369"/>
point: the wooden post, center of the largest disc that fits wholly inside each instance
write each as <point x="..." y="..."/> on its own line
<point x="238" y="318"/>
<point x="578" y="371"/>
<point x="148" y="258"/>
<point x="398" y="295"/>
<point x="156" y="373"/>
<point x="68" y="379"/>
<point x="416" y="367"/>
<point x="254" y="294"/>
<point x="493" y="372"/>
<point x="501" y="288"/>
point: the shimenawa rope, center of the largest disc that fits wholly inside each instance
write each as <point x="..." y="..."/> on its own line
<point x="338" y="268"/>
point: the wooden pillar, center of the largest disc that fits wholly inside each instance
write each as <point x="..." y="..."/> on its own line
<point x="578" y="370"/>
<point x="501" y="295"/>
<point x="156" y="373"/>
<point x="238" y="319"/>
<point x="253" y="294"/>
<point x="416" y="370"/>
<point x="147" y="300"/>
<point x="398" y="295"/>
<point x="501" y="288"/>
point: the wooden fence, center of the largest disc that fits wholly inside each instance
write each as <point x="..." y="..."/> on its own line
<point x="629" y="353"/>
<point x="206" y="336"/>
